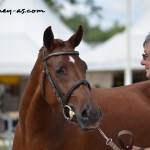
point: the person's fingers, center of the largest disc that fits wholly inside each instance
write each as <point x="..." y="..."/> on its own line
<point x="137" y="148"/>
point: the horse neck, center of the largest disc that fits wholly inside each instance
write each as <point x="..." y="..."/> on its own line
<point x="33" y="108"/>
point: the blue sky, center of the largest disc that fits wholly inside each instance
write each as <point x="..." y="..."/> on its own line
<point x="114" y="10"/>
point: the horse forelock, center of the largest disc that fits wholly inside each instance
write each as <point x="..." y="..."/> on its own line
<point x="59" y="42"/>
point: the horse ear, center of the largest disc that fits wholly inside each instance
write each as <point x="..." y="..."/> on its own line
<point x="48" y="38"/>
<point x="75" y="39"/>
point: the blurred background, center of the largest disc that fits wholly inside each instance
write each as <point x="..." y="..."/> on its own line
<point x="114" y="32"/>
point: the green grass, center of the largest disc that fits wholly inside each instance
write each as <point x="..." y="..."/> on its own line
<point x="3" y="148"/>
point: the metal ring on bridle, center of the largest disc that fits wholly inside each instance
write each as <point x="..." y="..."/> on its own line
<point x="71" y="113"/>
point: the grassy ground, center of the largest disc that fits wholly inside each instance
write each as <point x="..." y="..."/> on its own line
<point x="3" y="148"/>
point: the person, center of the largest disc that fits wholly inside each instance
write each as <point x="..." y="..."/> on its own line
<point x="146" y="63"/>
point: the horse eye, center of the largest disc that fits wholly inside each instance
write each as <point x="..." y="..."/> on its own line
<point x="59" y="71"/>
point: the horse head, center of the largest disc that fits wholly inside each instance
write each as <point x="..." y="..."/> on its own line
<point x="66" y="74"/>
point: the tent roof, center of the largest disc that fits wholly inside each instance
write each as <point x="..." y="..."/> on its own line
<point x="21" y="35"/>
<point x="17" y="58"/>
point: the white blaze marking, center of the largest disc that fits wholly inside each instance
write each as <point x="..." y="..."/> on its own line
<point x="71" y="59"/>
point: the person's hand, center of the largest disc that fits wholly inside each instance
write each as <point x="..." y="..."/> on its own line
<point x="139" y="148"/>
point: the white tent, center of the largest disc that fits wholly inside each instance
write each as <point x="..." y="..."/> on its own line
<point x="111" y="55"/>
<point x="21" y="35"/>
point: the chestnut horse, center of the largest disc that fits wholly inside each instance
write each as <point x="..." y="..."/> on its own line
<point x="57" y="79"/>
<point x="41" y="123"/>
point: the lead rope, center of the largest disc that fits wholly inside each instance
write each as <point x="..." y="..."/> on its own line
<point x="108" y="140"/>
<point x="113" y="145"/>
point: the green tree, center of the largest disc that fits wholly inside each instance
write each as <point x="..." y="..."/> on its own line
<point x="91" y="34"/>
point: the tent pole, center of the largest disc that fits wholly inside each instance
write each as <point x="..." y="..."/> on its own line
<point x="128" y="71"/>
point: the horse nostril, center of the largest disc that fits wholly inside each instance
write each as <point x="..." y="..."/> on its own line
<point x="92" y="115"/>
<point x="84" y="114"/>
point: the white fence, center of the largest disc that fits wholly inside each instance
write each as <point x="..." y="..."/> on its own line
<point x="7" y="129"/>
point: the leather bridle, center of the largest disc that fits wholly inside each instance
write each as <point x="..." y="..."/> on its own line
<point x="61" y="97"/>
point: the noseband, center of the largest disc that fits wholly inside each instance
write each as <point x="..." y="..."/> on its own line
<point x="62" y="98"/>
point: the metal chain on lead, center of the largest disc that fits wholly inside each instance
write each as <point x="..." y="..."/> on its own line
<point x="108" y="140"/>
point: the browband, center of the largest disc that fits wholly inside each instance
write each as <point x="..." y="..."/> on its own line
<point x="61" y="53"/>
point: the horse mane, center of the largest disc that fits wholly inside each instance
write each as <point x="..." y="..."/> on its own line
<point x="40" y="50"/>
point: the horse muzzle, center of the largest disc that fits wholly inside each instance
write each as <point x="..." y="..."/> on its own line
<point x="89" y="119"/>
